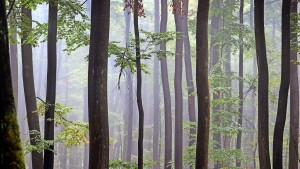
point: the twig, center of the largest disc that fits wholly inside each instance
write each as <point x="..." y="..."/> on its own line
<point x="11" y="7"/>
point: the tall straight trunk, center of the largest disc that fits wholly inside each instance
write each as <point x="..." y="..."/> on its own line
<point x="253" y="94"/>
<point x="263" y="86"/>
<point x="284" y="86"/>
<point x="97" y="85"/>
<point x="189" y="72"/>
<point x="10" y="142"/>
<point x="129" y="94"/>
<point x="51" y="84"/>
<point x="156" y="98"/>
<point x="227" y="71"/>
<point x="178" y="87"/>
<point x="139" y="84"/>
<point x="29" y="91"/>
<point x="166" y="90"/>
<point x="215" y="56"/>
<point x="294" y="93"/>
<point x="202" y="85"/>
<point x="13" y="51"/>
<point x="241" y="85"/>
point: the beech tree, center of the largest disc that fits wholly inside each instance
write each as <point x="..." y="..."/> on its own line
<point x="202" y="85"/>
<point x="263" y="86"/>
<point x="10" y="142"/>
<point x="51" y="84"/>
<point x="284" y="86"/>
<point x="29" y="89"/>
<point x="97" y="85"/>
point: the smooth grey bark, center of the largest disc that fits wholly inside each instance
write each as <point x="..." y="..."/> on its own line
<point x="294" y="91"/>
<point x="51" y="84"/>
<point x="178" y="88"/>
<point x="189" y="72"/>
<point x="241" y="81"/>
<point x="156" y="91"/>
<point x="284" y="86"/>
<point x="202" y="85"/>
<point x="97" y="85"/>
<point x="29" y="90"/>
<point x="263" y="86"/>
<point x="166" y="90"/>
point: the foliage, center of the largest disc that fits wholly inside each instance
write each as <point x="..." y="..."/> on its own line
<point x="118" y="164"/>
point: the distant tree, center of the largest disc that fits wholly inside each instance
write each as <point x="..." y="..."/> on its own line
<point x="284" y="86"/>
<point x="241" y="84"/>
<point x="29" y="89"/>
<point x="51" y="84"/>
<point x="202" y="85"/>
<point x="263" y="86"/>
<point x="11" y="152"/>
<point x="177" y="10"/>
<point x="156" y="94"/>
<point x="166" y="90"/>
<point x="294" y="93"/>
<point x="97" y="85"/>
<point x="189" y="72"/>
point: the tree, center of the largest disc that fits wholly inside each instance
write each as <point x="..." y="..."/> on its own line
<point x="263" y="86"/>
<point x="177" y="10"/>
<point x="156" y="98"/>
<point x="294" y="93"/>
<point x="136" y="9"/>
<point x="166" y="90"/>
<point x="29" y="89"/>
<point x="51" y="84"/>
<point x="10" y="142"/>
<point x="202" y="85"/>
<point x="129" y="92"/>
<point x="189" y="72"/>
<point x="284" y="86"/>
<point x="97" y="85"/>
<point x="241" y="76"/>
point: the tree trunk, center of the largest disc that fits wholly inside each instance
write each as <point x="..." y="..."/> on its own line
<point x="166" y="90"/>
<point x="284" y="86"/>
<point x="139" y="84"/>
<point x="51" y="84"/>
<point x="29" y="91"/>
<point x="294" y="93"/>
<point x="241" y="85"/>
<point x="10" y="143"/>
<point x="178" y="87"/>
<point x="129" y="94"/>
<point x="202" y="85"/>
<point x="97" y="85"/>
<point x="156" y="98"/>
<point x="189" y="72"/>
<point x="215" y="56"/>
<point x="263" y="86"/>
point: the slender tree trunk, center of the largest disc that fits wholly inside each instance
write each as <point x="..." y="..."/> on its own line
<point x="263" y="86"/>
<point x="51" y="84"/>
<point x="241" y="85"/>
<point x="202" y="85"/>
<point x="97" y="85"/>
<point x="189" y="72"/>
<point x="253" y="94"/>
<point x="215" y="56"/>
<point x="294" y="93"/>
<point x="10" y="142"/>
<point x="156" y="98"/>
<point x="166" y="90"/>
<point x="129" y="94"/>
<point x="13" y="49"/>
<point x="29" y="91"/>
<point x="227" y="71"/>
<point x="139" y="84"/>
<point x="178" y="87"/>
<point x="284" y="86"/>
